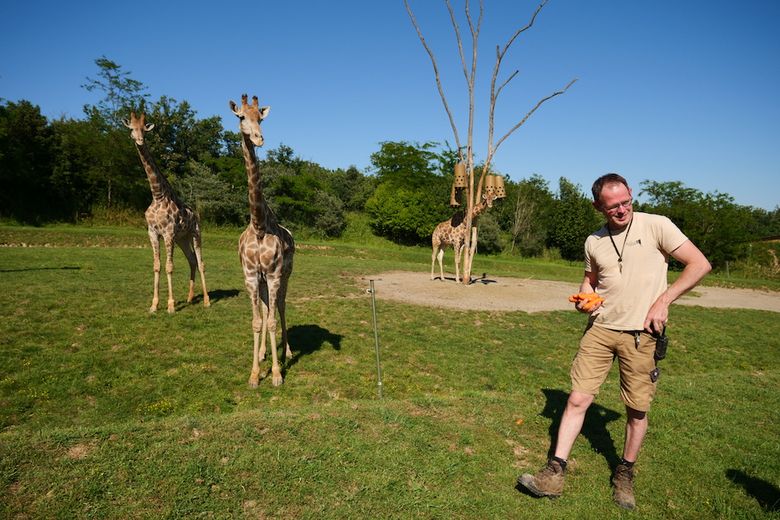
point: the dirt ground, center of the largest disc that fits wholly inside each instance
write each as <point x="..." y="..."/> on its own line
<point x="495" y="293"/>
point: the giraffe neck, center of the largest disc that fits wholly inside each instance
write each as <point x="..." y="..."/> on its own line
<point x="478" y="209"/>
<point x="259" y="213"/>
<point x="161" y="189"/>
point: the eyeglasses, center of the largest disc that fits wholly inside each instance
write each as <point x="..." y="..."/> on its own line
<point x="625" y="204"/>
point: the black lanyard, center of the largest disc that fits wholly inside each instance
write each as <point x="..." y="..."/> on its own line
<point x="620" y="253"/>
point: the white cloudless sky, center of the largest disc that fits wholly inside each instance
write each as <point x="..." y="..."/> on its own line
<point x="667" y="90"/>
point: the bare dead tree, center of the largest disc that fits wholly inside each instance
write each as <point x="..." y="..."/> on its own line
<point x="525" y="208"/>
<point x="470" y="73"/>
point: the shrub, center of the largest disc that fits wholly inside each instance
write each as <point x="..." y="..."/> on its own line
<point x="404" y="215"/>
<point x="489" y="238"/>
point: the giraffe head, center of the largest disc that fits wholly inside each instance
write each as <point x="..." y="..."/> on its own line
<point x="488" y="197"/>
<point x="138" y="127"/>
<point x="249" y="117"/>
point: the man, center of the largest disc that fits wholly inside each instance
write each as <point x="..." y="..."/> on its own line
<point x="626" y="262"/>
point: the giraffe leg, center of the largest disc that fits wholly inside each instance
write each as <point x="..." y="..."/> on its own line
<point x="281" y="305"/>
<point x="186" y="246"/>
<point x="264" y="331"/>
<point x="155" y="240"/>
<point x="463" y="262"/>
<point x="257" y="325"/>
<point x="201" y="268"/>
<point x="169" y="272"/>
<point x="433" y="259"/>
<point x="276" y="371"/>
<point x="457" y="251"/>
<point x="263" y="306"/>
<point x="440" y="257"/>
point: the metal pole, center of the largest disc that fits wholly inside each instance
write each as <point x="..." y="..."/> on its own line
<point x="376" y="338"/>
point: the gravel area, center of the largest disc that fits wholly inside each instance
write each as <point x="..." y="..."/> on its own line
<point x="494" y="293"/>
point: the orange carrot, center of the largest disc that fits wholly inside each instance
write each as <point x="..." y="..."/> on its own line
<point x="588" y="300"/>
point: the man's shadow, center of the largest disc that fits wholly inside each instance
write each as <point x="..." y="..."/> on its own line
<point x="766" y="493"/>
<point x="594" y="429"/>
<point x="305" y="339"/>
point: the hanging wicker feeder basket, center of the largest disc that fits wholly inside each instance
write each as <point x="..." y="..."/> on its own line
<point x="490" y="185"/>
<point x="498" y="184"/>
<point x="460" y="175"/>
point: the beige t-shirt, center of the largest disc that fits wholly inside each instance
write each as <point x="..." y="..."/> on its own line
<point x="645" y="248"/>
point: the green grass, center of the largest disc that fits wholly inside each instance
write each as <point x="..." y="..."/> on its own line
<point x="107" y="411"/>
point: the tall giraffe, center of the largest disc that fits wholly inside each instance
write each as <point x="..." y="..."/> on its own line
<point x="168" y="218"/>
<point x="453" y="232"/>
<point x="265" y="248"/>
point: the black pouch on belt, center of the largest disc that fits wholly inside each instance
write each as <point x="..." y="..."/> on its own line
<point x="661" y="344"/>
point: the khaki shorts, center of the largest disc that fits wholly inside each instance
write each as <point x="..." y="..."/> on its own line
<point x="599" y="347"/>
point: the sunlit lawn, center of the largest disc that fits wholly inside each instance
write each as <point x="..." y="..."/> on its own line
<point x="108" y="411"/>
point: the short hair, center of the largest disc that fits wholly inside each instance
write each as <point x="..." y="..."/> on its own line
<point x="608" y="178"/>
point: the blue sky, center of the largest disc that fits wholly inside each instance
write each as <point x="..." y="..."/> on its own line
<point x="682" y="90"/>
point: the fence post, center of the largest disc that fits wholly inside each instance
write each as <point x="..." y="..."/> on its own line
<point x="376" y="338"/>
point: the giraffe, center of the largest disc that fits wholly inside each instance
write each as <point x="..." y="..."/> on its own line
<point x="168" y="218"/>
<point x="265" y="248"/>
<point x="453" y="232"/>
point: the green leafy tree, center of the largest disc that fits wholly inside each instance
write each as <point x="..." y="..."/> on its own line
<point x="502" y="210"/>
<point x="404" y="164"/>
<point x="120" y="93"/>
<point x="765" y="223"/>
<point x="79" y="174"/>
<point x="532" y="209"/>
<point x="228" y="164"/>
<point x="290" y="186"/>
<point x="412" y="196"/>
<point x="214" y="199"/>
<point x="292" y="196"/>
<point x="283" y="155"/>
<point x="26" y="158"/>
<point x="573" y="218"/>
<point x="179" y="137"/>
<point x="329" y="217"/>
<point x="404" y="215"/>
<point x="352" y="187"/>
<point x="490" y="240"/>
<point x="718" y="226"/>
<point x="73" y="168"/>
<point x="299" y="193"/>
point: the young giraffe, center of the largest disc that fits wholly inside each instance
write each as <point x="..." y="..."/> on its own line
<point x="265" y="248"/>
<point x="453" y="232"/>
<point x="168" y="218"/>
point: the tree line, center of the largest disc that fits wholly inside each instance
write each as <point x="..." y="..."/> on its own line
<point x="67" y="169"/>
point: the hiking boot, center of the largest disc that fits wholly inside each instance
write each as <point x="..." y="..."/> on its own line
<point x="548" y="482"/>
<point x="623" y="492"/>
